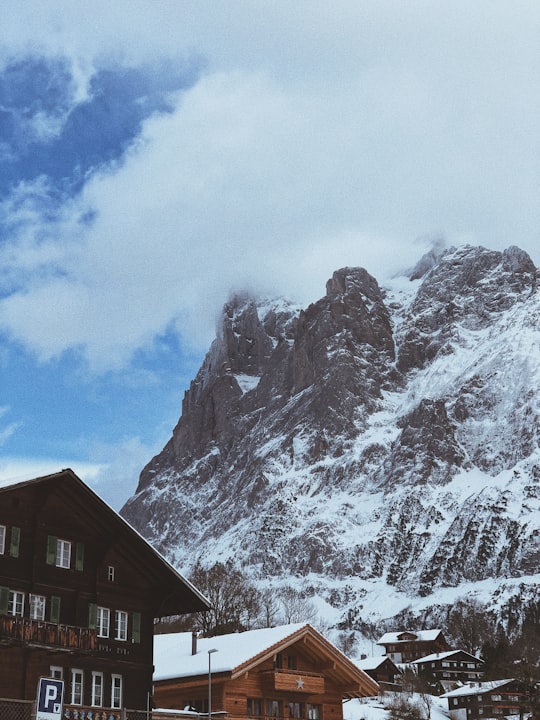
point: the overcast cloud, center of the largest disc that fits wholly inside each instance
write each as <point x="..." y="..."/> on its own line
<point x="160" y="154"/>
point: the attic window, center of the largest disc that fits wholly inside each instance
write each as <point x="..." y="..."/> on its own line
<point x="110" y="573"/>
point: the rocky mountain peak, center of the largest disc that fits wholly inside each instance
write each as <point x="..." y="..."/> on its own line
<point x="377" y="438"/>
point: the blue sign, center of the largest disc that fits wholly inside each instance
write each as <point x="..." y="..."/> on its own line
<point x="49" y="699"/>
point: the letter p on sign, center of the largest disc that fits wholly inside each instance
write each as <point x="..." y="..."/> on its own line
<point x="49" y="699"/>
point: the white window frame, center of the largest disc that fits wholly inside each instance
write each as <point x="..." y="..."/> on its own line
<point x="16" y="603"/>
<point x="120" y="625"/>
<point x="77" y="686"/>
<point x="2" y="539"/>
<point x="63" y="553"/>
<point x="37" y="607"/>
<point x="116" y="691"/>
<point x="97" y="689"/>
<point x="103" y="622"/>
<point x="110" y="573"/>
<point x="56" y="672"/>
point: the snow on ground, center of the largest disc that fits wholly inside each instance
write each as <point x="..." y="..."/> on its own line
<point x="378" y="708"/>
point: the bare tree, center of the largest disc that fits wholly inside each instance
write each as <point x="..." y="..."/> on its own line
<point x="294" y="607"/>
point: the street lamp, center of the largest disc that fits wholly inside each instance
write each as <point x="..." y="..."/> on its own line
<point x="213" y="650"/>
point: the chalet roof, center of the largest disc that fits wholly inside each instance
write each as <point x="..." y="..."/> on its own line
<point x="237" y="653"/>
<point x="174" y="593"/>
<point x="408" y="636"/>
<point x="477" y="688"/>
<point x="444" y="655"/>
<point x="372" y="663"/>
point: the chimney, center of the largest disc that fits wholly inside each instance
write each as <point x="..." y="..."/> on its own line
<point x="194" y="643"/>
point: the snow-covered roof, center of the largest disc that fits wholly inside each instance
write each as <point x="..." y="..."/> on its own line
<point x="173" y="658"/>
<point x="397" y="637"/>
<point x="372" y="663"/>
<point x="477" y="688"/>
<point x="446" y="654"/>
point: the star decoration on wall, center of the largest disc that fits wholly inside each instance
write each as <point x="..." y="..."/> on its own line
<point x="300" y="684"/>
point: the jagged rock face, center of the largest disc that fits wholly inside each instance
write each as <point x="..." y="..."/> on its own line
<point x="378" y="435"/>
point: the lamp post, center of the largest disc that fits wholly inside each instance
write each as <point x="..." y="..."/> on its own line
<point x="213" y="650"/>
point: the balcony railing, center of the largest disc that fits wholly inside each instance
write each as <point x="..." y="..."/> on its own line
<point x="38" y="632"/>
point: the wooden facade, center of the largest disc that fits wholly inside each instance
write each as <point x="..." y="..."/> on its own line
<point x="301" y="676"/>
<point x="494" y="699"/>
<point x="406" y="646"/>
<point x="79" y="591"/>
<point x="450" y="668"/>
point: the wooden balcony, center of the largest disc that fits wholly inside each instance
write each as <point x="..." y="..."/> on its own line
<point x="294" y="681"/>
<point x="21" y="630"/>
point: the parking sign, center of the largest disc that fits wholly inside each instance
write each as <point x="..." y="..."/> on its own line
<point x="49" y="699"/>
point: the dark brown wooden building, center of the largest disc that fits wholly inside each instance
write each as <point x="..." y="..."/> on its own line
<point x="408" y="645"/>
<point x="289" y="672"/>
<point x="451" y="667"/>
<point x="382" y="670"/>
<point x="79" y="591"/>
<point x="497" y="698"/>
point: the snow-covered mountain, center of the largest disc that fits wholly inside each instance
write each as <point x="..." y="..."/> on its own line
<point x="378" y="449"/>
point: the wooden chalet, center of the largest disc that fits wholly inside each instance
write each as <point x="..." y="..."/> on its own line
<point x="406" y="646"/>
<point x="79" y="591"/>
<point x="381" y="669"/>
<point x="494" y="699"/>
<point x="280" y="673"/>
<point x="451" y="667"/>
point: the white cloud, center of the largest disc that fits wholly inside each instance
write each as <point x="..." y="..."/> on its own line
<point x="320" y="136"/>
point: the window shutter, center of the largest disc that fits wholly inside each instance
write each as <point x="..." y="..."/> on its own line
<point x="15" y="540"/>
<point x="79" y="556"/>
<point x="54" y="609"/>
<point x="136" y="628"/>
<point x="4" y="597"/>
<point x="92" y="615"/>
<point x="51" y="550"/>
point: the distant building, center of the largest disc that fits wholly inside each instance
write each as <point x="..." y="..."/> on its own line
<point x="382" y="669"/>
<point x="406" y="646"/>
<point x="478" y="701"/>
<point x="451" y="667"/>
<point x="79" y="591"/>
<point x="289" y="672"/>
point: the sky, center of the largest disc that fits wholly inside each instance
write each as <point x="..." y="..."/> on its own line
<point x="158" y="155"/>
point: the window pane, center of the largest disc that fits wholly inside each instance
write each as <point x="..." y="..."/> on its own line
<point x="97" y="689"/>
<point x="63" y="553"/>
<point x="37" y="607"/>
<point x="103" y="621"/>
<point x="120" y="620"/>
<point x="116" y="691"/>
<point x="76" y="687"/>
<point x="16" y="603"/>
<point x="2" y="539"/>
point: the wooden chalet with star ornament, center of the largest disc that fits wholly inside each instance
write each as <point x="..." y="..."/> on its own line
<point x="289" y="672"/>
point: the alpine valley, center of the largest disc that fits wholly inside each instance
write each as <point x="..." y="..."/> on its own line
<point x="377" y="450"/>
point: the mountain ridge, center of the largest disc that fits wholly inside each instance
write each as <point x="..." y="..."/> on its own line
<point x="381" y="438"/>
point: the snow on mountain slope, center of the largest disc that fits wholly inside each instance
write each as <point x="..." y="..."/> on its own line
<point x="378" y="449"/>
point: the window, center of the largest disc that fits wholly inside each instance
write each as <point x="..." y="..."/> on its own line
<point x="110" y="573"/>
<point x="120" y="624"/>
<point x="254" y="707"/>
<point x="15" y="542"/>
<point x="116" y="691"/>
<point x="97" y="689"/>
<point x="291" y="662"/>
<point x="455" y="701"/>
<point x="314" y="712"/>
<point x="296" y="710"/>
<point x="496" y="698"/>
<point x="103" y="621"/>
<point x="273" y="709"/>
<point x="2" y="539"/>
<point x="63" y="553"/>
<point x="76" y="687"/>
<point x="16" y="603"/>
<point x="56" y="672"/>
<point x="37" y="607"/>
<point x="136" y="627"/>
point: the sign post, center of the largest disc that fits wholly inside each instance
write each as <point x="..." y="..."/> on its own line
<point x="50" y="697"/>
